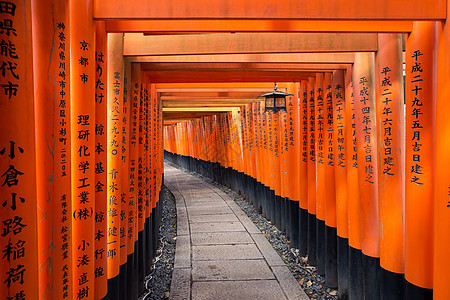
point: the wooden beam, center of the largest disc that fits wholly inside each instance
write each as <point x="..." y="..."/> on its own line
<point x="240" y="43"/>
<point x="245" y="25"/>
<point x="226" y="76"/>
<point x="216" y="87"/>
<point x="306" y="67"/>
<point x="207" y="103"/>
<point x="184" y="115"/>
<point x="211" y="95"/>
<point x="207" y="100"/>
<point x="319" y="58"/>
<point x="197" y="109"/>
<point x="271" y="9"/>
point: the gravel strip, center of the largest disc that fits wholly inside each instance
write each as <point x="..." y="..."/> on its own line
<point x="158" y="282"/>
<point x="311" y="282"/>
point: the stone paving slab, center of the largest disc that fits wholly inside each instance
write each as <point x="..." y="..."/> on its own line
<point x="288" y="283"/>
<point x="220" y="253"/>
<point x="213" y="218"/>
<point x="213" y="207"/>
<point x="216" y="227"/>
<point x="271" y="256"/>
<point x="226" y="252"/>
<point x="210" y="211"/>
<point x="183" y="250"/>
<point x="180" y="287"/>
<point x="231" y="270"/>
<point x="221" y="238"/>
<point x="237" y="290"/>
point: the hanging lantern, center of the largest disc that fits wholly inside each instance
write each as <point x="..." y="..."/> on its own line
<point x="276" y="100"/>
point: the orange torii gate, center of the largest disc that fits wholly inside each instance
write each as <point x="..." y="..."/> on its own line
<point x="69" y="99"/>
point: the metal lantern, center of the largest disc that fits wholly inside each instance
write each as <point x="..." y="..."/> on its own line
<point x="276" y="100"/>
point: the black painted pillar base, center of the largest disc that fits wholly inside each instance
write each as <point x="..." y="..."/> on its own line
<point x="123" y="279"/>
<point x="371" y="277"/>
<point x="356" y="274"/>
<point x="392" y="285"/>
<point x="113" y="288"/>
<point x="320" y="247"/>
<point x="136" y="270"/>
<point x="266" y="200"/>
<point x="303" y="232"/>
<point x="148" y="248"/>
<point x="272" y="209"/>
<point x="312" y="238"/>
<point x="282" y="217"/>
<point x="259" y="197"/>
<point x="414" y="292"/>
<point x="343" y="265"/>
<point x="294" y="210"/>
<point x="141" y="262"/>
<point x="131" y="277"/>
<point x="278" y="211"/>
<point x="287" y="216"/>
<point x="331" y="272"/>
<point x="155" y="232"/>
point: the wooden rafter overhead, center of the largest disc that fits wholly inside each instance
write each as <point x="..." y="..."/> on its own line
<point x="271" y="9"/>
<point x="136" y="44"/>
<point x="315" y="58"/>
<point x="155" y="27"/>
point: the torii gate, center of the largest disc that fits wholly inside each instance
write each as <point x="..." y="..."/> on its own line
<point x="62" y="84"/>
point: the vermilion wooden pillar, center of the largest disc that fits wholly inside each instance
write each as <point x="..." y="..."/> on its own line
<point x="264" y="158"/>
<point x="133" y="187"/>
<point x="52" y="108"/>
<point x="231" y="147"/>
<point x="146" y="162"/>
<point x="257" y="148"/>
<point x="124" y="196"/>
<point x="304" y="161"/>
<point x="331" y="274"/>
<point x="224" y="143"/>
<point x="364" y="93"/>
<point x="341" y="127"/>
<point x="218" y="144"/>
<point x="156" y="170"/>
<point x="101" y="141"/>
<point x="251" y="179"/>
<point x="270" y="177"/>
<point x="152" y="113"/>
<point x="312" y="256"/>
<point x="420" y="158"/>
<point x="282" y="133"/>
<point x="244" y="134"/>
<point x="114" y="158"/>
<point x="138" y="81"/>
<point x="292" y="136"/>
<point x="18" y="272"/>
<point x="239" y="148"/>
<point x="277" y="166"/>
<point x="82" y="95"/>
<point x="355" y="285"/>
<point x="320" y="171"/>
<point x="252" y="148"/>
<point x="160" y="156"/>
<point x="256" y="129"/>
<point x="442" y="201"/>
<point x="390" y="120"/>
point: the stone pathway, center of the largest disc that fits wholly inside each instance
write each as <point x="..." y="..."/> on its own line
<point x="220" y="253"/>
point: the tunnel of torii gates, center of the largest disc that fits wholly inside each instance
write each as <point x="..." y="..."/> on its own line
<point x="95" y="92"/>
